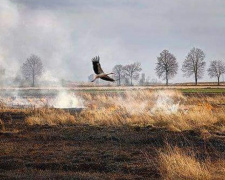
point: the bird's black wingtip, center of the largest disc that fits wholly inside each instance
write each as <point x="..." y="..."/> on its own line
<point x="95" y="59"/>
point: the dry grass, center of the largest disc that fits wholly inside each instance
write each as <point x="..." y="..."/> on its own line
<point x="135" y="107"/>
<point x="161" y="108"/>
<point x="188" y="121"/>
<point x="50" y="117"/>
<point x="175" y="163"/>
<point x="117" y="148"/>
<point x="2" y="125"/>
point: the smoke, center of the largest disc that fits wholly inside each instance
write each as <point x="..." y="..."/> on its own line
<point x="159" y="101"/>
<point x="167" y="102"/>
<point x="22" y="102"/>
<point x="131" y="105"/>
<point x="67" y="100"/>
<point x="65" y="41"/>
<point x="63" y="99"/>
<point x="25" y="31"/>
<point x="67" y="34"/>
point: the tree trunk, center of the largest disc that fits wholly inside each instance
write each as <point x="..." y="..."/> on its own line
<point x="119" y="79"/>
<point x="131" y="83"/>
<point x="218" y="82"/>
<point x="167" y="78"/>
<point x="196" y="80"/>
<point x="33" y="81"/>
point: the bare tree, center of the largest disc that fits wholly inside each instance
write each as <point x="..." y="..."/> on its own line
<point x="2" y="75"/>
<point x="166" y="66"/>
<point x="32" y="68"/>
<point x="118" y="73"/>
<point x="194" y="64"/>
<point x="131" y="71"/>
<point x="216" y="69"/>
<point x="142" y="81"/>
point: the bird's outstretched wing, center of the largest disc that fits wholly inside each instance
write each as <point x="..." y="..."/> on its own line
<point x="107" y="78"/>
<point x="96" y="65"/>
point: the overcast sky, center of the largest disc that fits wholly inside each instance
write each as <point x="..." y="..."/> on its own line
<point x="66" y="34"/>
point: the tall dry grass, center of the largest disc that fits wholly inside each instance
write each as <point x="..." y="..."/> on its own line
<point x="50" y="117"/>
<point x="175" y="163"/>
<point x="135" y="107"/>
<point x="160" y="108"/>
<point x="2" y="125"/>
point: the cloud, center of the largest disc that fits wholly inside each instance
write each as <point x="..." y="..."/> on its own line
<point x="39" y="32"/>
<point x="67" y="34"/>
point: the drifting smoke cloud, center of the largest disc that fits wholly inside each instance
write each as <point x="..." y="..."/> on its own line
<point x="62" y="40"/>
<point x="142" y="102"/>
<point x="63" y="99"/>
<point x="131" y="105"/>
<point x="26" y="31"/>
<point x="167" y="102"/>
<point x="67" y="100"/>
<point x="67" y="34"/>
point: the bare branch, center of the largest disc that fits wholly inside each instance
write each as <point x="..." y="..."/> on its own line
<point x="216" y="69"/>
<point x="131" y="71"/>
<point x="166" y="66"/>
<point x="194" y="64"/>
<point x="32" y="68"/>
<point x="118" y="73"/>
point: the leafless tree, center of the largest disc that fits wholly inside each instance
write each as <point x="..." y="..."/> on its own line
<point x="216" y="69"/>
<point x="142" y="81"/>
<point x="32" y="68"/>
<point x="2" y="71"/>
<point x="166" y="66"/>
<point x="131" y="71"/>
<point x="2" y="75"/>
<point x="118" y="73"/>
<point x="194" y="64"/>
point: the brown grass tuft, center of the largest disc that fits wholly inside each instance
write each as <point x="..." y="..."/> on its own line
<point x="176" y="164"/>
<point x="50" y="117"/>
<point x="2" y="125"/>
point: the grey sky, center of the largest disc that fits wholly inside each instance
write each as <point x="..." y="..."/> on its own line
<point x="66" y="34"/>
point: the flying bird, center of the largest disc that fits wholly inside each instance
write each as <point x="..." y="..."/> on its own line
<point x="99" y="72"/>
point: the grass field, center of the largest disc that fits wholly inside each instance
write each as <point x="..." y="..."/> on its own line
<point x="125" y="134"/>
<point x="53" y="91"/>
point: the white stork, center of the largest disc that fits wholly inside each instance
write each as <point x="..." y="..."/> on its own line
<point x="99" y="72"/>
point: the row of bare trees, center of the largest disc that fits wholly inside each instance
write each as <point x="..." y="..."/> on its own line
<point x="194" y="64"/>
<point x="128" y="73"/>
<point x="166" y="68"/>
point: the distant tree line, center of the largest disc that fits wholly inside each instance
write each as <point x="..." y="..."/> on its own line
<point x="127" y="73"/>
<point x="167" y="68"/>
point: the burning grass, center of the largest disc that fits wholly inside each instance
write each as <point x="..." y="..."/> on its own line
<point x="168" y="109"/>
<point x="160" y="108"/>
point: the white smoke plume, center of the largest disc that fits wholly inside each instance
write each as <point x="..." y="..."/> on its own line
<point x="67" y="100"/>
<point x="25" y="31"/>
<point x="167" y="102"/>
<point x="63" y="99"/>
